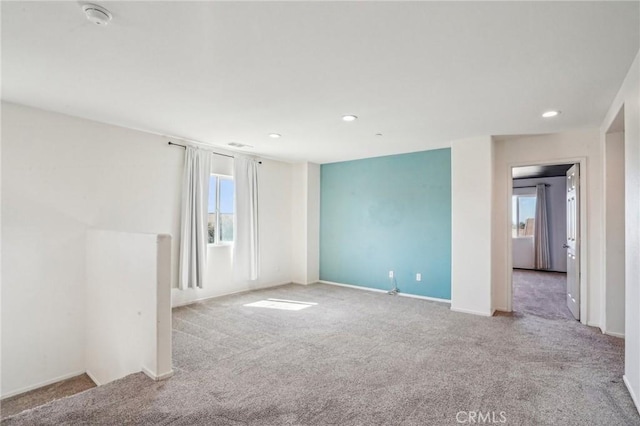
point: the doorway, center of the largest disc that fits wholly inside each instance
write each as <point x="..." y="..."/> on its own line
<point x="544" y="240"/>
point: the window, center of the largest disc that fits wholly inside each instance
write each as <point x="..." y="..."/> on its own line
<point x="220" y="218"/>
<point x="523" y="215"/>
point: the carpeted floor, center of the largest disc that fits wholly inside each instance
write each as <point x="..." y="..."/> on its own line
<point x="362" y="358"/>
<point x="540" y="293"/>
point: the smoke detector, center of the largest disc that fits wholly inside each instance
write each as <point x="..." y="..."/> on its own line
<point x="97" y="14"/>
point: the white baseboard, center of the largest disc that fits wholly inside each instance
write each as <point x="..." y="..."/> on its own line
<point x="41" y="384"/>
<point x="157" y="378"/>
<point x="92" y="377"/>
<point x="631" y="392"/>
<point x="472" y="312"/>
<point x="377" y="290"/>
<point x="202" y="299"/>
<point x="431" y="299"/>
<point x="614" y="334"/>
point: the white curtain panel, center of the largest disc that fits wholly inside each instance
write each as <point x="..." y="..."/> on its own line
<point x="246" y="253"/>
<point x="194" y="233"/>
<point x="541" y="234"/>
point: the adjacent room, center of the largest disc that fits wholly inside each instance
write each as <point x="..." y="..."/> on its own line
<point x="540" y="243"/>
<point x="311" y="213"/>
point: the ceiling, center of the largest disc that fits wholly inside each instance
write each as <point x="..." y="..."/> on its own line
<point x="420" y="73"/>
<point x="528" y="172"/>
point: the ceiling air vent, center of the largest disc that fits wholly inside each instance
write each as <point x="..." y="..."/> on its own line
<point x="239" y="145"/>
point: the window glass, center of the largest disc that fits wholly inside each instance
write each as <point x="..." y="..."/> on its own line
<point x="226" y="196"/>
<point x="226" y="227"/>
<point x="212" y="218"/>
<point x="226" y="210"/>
<point x="523" y="212"/>
<point x="514" y="216"/>
<point x="220" y="218"/>
<point x="212" y="193"/>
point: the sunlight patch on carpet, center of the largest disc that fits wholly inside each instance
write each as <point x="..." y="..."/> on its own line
<point x="286" y="305"/>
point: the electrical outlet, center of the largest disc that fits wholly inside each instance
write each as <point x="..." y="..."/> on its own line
<point x="390" y="274"/>
<point x="418" y="276"/>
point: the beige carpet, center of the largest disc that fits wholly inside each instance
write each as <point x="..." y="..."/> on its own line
<point x="540" y="293"/>
<point x="362" y="358"/>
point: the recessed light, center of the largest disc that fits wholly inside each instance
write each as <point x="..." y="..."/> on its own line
<point x="97" y="14"/>
<point x="378" y="134"/>
<point x="549" y="114"/>
<point x="349" y="117"/>
<point x="274" y="135"/>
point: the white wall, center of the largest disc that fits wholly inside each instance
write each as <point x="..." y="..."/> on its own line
<point x="128" y="305"/>
<point x="313" y="223"/>
<point x="523" y="254"/>
<point x="471" y="223"/>
<point x="558" y="148"/>
<point x="299" y="223"/>
<point x="62" y="175"/>
<point x="305" y="223"/>
<point x="629" y="97"/>
<point x="556" y="218"/>
<point x="613" y="290"/>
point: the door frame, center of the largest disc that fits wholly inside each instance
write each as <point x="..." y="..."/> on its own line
<point x="583" y="240"/>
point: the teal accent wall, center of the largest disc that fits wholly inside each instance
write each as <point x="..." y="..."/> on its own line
<point x="388" y="213"/>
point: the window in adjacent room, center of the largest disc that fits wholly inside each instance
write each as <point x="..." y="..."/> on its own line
<point x="523" y="215"/>
<point x="220" y="218"/>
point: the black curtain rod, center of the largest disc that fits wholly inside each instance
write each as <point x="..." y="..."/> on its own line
<point x="532" y="186"/>
<point x="213" y="152"/>
<point x="185" y="147"/>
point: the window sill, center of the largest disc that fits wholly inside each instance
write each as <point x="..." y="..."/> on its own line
<point x="220" y="245"/>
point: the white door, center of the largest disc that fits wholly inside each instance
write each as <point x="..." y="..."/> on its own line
<point x="573" y="240"/>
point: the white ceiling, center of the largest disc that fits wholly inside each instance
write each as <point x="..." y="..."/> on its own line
<point x="420" y="73"/>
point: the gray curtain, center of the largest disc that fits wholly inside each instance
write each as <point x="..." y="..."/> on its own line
<point x="195" y="202"/>
<point x="541" y="233"/>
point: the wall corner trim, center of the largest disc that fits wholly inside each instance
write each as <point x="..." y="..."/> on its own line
<point x="614" y="334"/>
<point x="93" y="377"/>
<point x="158" y="377"/>
<point x="631" y="392"/>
